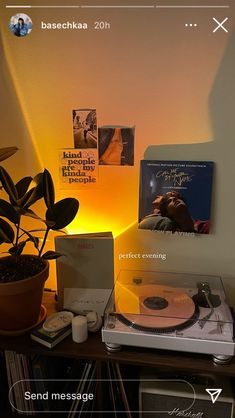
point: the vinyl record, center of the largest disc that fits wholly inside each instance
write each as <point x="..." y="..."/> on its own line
<point x="154" y="307"/>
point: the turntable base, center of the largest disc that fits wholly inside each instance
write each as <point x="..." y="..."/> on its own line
<point x="148" y="309"/>
<point x="217" y="359"/>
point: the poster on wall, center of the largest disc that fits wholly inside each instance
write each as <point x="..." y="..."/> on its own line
<point x="78" y="168"/>
<point x="85" y="128"/>
<point x="116" y="145"/>
<point x="175" y="196"/>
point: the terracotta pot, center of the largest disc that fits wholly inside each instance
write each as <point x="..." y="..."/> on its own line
<point x="20" y="301"/>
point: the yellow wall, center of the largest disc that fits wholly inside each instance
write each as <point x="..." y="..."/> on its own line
<point x="148" y="70"/>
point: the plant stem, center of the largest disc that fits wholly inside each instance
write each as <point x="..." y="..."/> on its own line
<point x="44" y="242"/>
<point x="18" y="231"/>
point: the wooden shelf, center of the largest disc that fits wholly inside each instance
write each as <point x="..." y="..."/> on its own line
<point x="93" y="348"/>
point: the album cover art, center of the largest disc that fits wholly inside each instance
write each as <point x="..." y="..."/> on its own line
<point x="85" y="128"/>
<point x="116" y="145"/>
<point x="175" y="196"/>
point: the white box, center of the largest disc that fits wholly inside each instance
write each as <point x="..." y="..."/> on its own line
<point x="85" y="271"/>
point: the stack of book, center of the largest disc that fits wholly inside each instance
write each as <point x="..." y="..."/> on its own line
<point x="50" y="339"/>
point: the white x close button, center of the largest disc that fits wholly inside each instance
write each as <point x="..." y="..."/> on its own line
<point x="220" y="25"/>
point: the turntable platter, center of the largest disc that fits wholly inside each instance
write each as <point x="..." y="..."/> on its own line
<point x="155" y="307"/>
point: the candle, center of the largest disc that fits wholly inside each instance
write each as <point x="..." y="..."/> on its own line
<point x="79" y="329"/>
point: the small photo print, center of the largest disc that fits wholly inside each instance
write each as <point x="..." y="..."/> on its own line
<point x="20" y="25"/>
<point x="116" y="145"/>
<point x="85" y="128"/>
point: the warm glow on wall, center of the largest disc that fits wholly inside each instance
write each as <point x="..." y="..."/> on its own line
<point x="175" y="87"/>
<point x="99" y="227"/>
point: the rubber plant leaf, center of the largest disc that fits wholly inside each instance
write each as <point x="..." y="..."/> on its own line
<point x="48" y="189"/>
<point x="6" y="232"/>
<point x="8" y="185"/>
<point x="28" y="212"/>
<point x="62" y="213"/>
<point x="34" y="194"/>
<point x="37" y="192"/>
<point x="7" y="152"/>
<point x="51" y="255"/>
<point x="17" y="249"/>
<point x="22" y="186"/>
<point x="9" y="212"/>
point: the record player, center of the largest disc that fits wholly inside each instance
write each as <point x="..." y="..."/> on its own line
<point x="171" y="311"/>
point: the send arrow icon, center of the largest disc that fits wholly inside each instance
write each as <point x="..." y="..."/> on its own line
<point x="214" y="394"/>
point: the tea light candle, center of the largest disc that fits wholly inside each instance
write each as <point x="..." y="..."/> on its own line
<point x="79" y="329"/>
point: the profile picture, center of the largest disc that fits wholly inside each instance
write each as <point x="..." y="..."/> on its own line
<point x="20" y="24"/>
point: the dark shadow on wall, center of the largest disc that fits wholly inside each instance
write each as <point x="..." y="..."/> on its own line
<point x="221" y="150"/>
<point x="14" y="128"/>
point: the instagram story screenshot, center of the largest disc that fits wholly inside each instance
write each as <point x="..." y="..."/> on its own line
<point x="117" y="224"/>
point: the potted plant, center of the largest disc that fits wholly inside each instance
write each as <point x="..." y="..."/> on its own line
<point x="22" y="277"/>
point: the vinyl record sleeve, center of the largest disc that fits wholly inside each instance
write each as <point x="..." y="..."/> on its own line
<point x="191" y="181"/>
